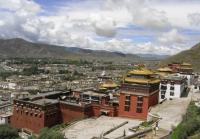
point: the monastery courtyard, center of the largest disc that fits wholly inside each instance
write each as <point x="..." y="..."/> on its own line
<point x="94" y="127"/>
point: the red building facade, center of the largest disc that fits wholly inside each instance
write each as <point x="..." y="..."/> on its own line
<point x="139" y="91"/>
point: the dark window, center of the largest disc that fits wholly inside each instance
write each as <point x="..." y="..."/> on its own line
<point x="126" y="108"/>
<point x="172" y="88"/>
<point x="128" y="97"/>
<point x="139" y="110"/>
<point x="171" y="93"/>
<point x="140" y="98"/>
<point x="163" y="94"/>
<point x="139" y="104"/>
<point x="127" y="103"/>
<point x="163" y="87"/>
<point x="172" y="83"/>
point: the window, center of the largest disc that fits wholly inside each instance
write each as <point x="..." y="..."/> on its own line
<point x="128" y="97"/>
<point x="139" y="104"/>
<point x="163" y="87"/>
<point x="126" y="108"/>
<point x="172" y="83"/>
<point x="171" y="87"/>
<point x="171" y="93"/>
<point x="163" y="94"/>
<point x="139" y="110"/>
<point x="127" y="102"/>
<point x="140" y="98"/>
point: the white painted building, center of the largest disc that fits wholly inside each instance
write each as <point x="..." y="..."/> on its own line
<point x="8" y="85"/>
<point x="188" y="76"/>
<point x="185" y="70"/>
<point x="5" y="118"/>
<point x="171" y="86"/>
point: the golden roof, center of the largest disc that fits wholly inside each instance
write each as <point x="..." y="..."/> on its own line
<point x="143" y="81"/>
<point x="141" y="71"/>
<point x="108" y="84"/>
<point x="165" y="69"/>
<point x="186" y="64"/>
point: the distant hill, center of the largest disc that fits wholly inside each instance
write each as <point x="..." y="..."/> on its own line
<point x="153" y="56"/>
<point x="192" y="56"/>
<point x="12" y="48"/>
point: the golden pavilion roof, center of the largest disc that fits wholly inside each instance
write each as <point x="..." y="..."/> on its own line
<point x="141" y="81"/>
<point x="146" y="74"/>
<point x="141" y="71"/>
<point x="164" y="69"/>
<point x="108" y="84"/>
<point x="186" y="64"/>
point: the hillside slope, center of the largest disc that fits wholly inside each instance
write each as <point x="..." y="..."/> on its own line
<point x="192" y="56"/>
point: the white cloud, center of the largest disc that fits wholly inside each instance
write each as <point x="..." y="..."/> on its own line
<point x="194" y="19"/>
<point x="171" y="37"/>
<point x="22" y="7"/>
<point x="80" y="26"/>
<point x="105" y="27"/>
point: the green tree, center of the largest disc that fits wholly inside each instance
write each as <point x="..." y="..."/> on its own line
<point x="47" y="133"/>
<point x="7" y="132"/>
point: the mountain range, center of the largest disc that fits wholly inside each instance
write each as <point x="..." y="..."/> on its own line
<point x="12" y="48"/>
<point x="20" y="48"/>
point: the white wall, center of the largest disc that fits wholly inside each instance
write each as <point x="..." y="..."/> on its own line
<point x="3" y="120"/>
<point x="178" y="90"/>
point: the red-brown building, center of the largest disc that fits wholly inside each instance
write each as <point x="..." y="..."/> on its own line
<point x="174" y="66"/>
<point x="139" y="91"/>
<point x="53" y="108"/>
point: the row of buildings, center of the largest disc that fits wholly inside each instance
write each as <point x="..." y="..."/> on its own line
<point x="139" y="90"/>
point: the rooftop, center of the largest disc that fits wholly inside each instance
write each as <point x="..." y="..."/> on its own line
<point x="173" y="77"/>
<point x="141" y="71"/>
<point x="92" y="93"/>
<point x="164" y="69"/>
<point x="45" y="101"/>
<point x="109" y="84"/>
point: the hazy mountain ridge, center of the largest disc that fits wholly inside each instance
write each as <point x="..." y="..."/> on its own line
<point x="11" y="48"/>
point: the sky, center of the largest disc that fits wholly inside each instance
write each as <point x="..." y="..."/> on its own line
<point x="163" y="27"/>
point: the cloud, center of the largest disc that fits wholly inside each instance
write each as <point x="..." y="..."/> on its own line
<point x="22" y="7"/>
<point x="171" y="37"/>
<point x="194" y="19"/>
<point x="142" y="14"/>
<point x="105" y="27"/>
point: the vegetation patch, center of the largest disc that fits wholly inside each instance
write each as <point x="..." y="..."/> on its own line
<point x="190" y="125"/>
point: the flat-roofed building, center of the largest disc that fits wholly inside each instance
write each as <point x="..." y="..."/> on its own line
<point x="172" y="86"/>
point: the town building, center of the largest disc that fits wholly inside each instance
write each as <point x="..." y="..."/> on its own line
<point x="164" y="71"/>
<point x="174" y="67"/>
<point x="185" y="70"/>
<point x="48" y="109"/>
<point x="172" y="86"/>
<point x="5" y="118"/>
<point x="139" y="91"/>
